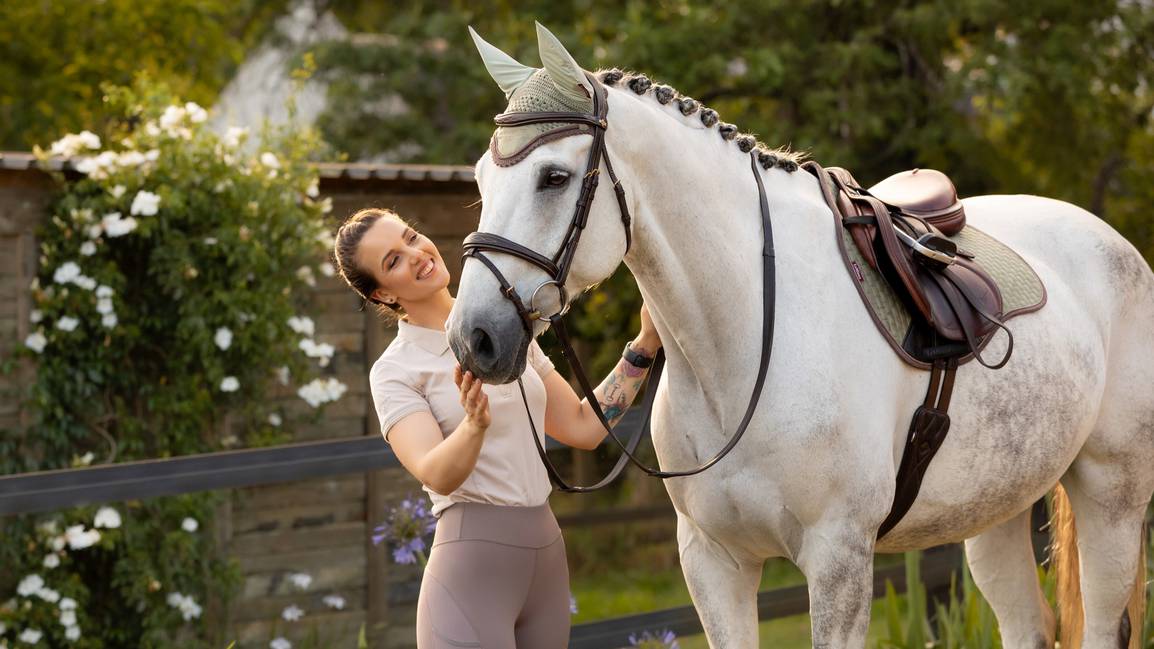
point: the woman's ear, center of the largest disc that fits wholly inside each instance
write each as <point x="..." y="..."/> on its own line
<point x="383" y="297"/>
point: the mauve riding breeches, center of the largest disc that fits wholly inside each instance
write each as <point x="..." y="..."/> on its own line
<point x="496" y="579"/>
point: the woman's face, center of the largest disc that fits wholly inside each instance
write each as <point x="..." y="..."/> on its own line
<point x="406" y="264"/>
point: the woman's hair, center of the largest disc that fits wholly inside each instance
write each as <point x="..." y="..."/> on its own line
<point x="345" y="245"/>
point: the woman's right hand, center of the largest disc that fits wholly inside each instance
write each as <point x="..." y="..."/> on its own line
<point x="473" y="399"/>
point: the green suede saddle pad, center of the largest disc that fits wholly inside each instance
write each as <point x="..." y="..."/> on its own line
<point x="1022" y="289"/>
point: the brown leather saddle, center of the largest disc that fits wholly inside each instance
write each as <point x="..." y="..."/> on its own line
<point x="900" y="226"/>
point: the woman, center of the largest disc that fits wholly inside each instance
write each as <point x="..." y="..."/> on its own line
<point x="497" y="576"/>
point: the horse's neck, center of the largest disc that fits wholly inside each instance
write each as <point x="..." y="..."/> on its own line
<point x="698" y="243"/>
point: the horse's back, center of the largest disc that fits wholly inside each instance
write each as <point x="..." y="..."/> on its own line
<point x="1067" y="245"/>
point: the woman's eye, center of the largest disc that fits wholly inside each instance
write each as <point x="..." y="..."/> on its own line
<point x="413" y="237"/>
<point x="555" y="178"/>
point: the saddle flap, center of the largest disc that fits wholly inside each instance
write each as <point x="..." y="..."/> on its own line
<point x="954" y="310"/>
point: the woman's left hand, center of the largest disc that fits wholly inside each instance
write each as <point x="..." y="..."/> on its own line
<point x="648" y="336"/>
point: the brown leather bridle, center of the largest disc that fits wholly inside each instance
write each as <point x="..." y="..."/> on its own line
<point x="557" y="268"/>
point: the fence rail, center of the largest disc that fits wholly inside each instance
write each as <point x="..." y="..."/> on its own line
<point x="52" y="490"/>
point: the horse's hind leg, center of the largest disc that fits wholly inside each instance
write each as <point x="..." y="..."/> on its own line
<point x="724" y="591"/>
<point x="1002" y="562"/>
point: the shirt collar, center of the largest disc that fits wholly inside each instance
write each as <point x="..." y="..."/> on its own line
<point x="431" y="340"/>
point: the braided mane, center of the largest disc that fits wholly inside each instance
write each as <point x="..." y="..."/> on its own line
<point x="780" y="157"/>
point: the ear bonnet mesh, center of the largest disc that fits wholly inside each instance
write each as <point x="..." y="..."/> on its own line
<point x="537" y="94"/>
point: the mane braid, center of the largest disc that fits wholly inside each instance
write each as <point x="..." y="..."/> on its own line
<point x="767" y="157"/>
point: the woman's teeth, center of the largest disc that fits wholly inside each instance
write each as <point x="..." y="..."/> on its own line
<point x="426" y="270"/>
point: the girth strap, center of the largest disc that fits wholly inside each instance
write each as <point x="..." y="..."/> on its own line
<point x="928" y="430"/>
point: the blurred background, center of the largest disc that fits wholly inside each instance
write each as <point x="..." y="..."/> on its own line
<point x="364" y="103"/>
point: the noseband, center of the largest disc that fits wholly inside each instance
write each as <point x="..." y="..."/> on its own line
<point x="558" y="267"/>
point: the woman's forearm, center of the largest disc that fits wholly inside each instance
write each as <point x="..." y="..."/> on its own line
<point x="618" y="390"/>
<point x="445" y="468"/>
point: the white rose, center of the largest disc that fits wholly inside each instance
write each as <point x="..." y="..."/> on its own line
<point x="196" y="114"/>
<point x="280" y="643"/>
<point x="274" y="419"/>
<point x="302" y="325"/>
<point x="52" y="561"/>
<point x="104" y="305"/>
<point x="93" y="231"/>
<point x="145" y="204"/>
<point x="223" y="338"/>
<point x="117" y="191"/>
<point x="36" y="315"/>
<point x="68" y="604"/>
<point x="129" y="159"/>
<point x="30" y="636"/>
<point x="229" y="384"/>
<point x="334" y="601"/>
<point x="172" y="117"/>
<point x="109" y="320"/>
<point x="72" y="633"/>
<point x="48" y="595"/>
<point x="68" y="618"/>
<point x="78" y="538"/>
<point x="67" y="272"/>
<point x="269" y="160"/>
<point x="29" y="585"/>
<point x="189" y="525"/>
<point x="67" y="323"/>
<point x="103" y="291"/>
<point x="88" y="248"/>
<point x="36" y="341"/>
<point x="107" y="517"/>
<point x="85" y="282"/>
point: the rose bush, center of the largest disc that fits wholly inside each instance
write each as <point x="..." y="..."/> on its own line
<point x="174" y="268"/>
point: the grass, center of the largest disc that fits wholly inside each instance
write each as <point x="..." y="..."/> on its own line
<point x="627" y="592"/>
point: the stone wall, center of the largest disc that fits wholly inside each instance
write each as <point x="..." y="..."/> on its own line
<point x="320" y="527"/>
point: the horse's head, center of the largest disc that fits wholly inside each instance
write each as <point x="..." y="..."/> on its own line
<point x="531" y="180"/>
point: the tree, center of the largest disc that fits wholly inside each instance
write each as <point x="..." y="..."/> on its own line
<point x="54" y="56"/>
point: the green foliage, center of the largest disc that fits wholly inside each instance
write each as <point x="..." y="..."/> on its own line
<point x="172" y="272"/>
<point x="55" y="55"/>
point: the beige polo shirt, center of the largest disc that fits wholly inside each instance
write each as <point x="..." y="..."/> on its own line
<point x="415" y="373"/>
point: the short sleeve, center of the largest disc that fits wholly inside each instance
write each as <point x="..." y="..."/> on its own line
<point x="539" y="360"/>
<point x="395" y="396"/>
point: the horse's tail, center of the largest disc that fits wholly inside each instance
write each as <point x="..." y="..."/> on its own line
<point x="1064" y="556"/>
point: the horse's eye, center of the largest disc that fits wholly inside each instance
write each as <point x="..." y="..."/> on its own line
<point x="554" y="178"/>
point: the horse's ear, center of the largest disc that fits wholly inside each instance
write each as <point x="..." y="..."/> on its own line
<point x="505" y="70"/>
<point x="566" y="74"/>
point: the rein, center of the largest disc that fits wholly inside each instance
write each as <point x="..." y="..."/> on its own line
<point x="557" y="268"/>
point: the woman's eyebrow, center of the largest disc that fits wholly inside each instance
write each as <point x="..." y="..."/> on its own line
<point x="404" y="236"/>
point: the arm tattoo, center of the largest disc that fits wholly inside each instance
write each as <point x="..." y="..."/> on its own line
<point x="618" y="390"/>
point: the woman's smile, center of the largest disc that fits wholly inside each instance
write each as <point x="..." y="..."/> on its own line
<point x="426" y="269"/>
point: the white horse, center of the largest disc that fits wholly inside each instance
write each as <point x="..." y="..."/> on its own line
<point x="815" y="475"/>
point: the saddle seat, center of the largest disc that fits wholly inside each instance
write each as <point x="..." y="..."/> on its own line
<point x="901" y="227"/>
<point x="926" y="193"/>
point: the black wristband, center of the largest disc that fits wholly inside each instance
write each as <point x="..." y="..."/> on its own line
<point x="635" y="359"/>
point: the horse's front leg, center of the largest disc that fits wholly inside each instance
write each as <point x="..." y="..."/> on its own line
<point x="723" y="588"/>
<point x="837" y="559"/>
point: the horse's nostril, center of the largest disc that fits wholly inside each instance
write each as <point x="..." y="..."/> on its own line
<point x="484" y="351"/>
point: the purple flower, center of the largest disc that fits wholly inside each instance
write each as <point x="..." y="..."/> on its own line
<point x="405" y="529"/>
<point x="654" y="640"/>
